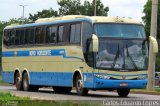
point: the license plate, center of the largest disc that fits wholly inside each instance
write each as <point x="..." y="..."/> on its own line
<point x="123" y="84"/>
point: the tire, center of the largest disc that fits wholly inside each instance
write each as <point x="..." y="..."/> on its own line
<point x="64" y="90"/>
<point x="79" y="86"/>
<point x="123" y="92"/>
<point x="26" y="86"/>
<point x="18" y="82"/>
<point x="25" y="81"/>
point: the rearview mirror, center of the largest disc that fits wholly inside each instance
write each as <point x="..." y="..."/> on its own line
<point x="95" y="43"/>
<point x="154" y="43"/>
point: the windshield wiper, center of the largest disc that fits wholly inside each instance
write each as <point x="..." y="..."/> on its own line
<point x="116" y="57"/>
<point x="128" y="55"/>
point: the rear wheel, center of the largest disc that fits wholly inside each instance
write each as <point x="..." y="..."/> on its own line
<point x="18" y="82"/>
<point x="123" y="92"/>
<point x="79" y="86"/>
<point x="25" y="81"/>
<point x="26" y="85"/>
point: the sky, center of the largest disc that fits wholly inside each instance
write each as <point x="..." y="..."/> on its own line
<point x="123" y="8"/>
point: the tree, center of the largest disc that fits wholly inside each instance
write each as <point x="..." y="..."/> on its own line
<point x="69" y="7"/>
<point x="147" y="21"/>
<point x="100" y="9"/>
<point x="74" y="7"/>
<point x="43" y="14"/>
<point x="147" y="17"/>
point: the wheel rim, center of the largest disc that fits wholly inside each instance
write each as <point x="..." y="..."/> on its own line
<point x="79" y="85"/>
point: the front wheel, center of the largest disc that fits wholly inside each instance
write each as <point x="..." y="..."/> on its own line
<point x="123" y="92"/>
<point x="79" y="86"/>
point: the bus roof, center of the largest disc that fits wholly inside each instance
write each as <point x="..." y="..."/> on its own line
<point x="76" y="18"/>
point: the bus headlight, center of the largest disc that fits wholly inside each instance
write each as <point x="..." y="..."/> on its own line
<point x="141" y="77"/>
<point x="102" y="76"/>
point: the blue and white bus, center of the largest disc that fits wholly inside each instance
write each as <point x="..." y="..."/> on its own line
<point x="88" y="53"/>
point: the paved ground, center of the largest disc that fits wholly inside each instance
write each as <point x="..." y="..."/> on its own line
<point x="48" y="94"/>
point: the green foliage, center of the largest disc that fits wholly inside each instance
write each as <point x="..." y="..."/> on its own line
<point x="7" y="99"/>
<point x="147" y="17"/>
<point x="147" y="21"/>
<point x="74" y="7"/>
<point x="158" y="62"/>
<point x="100" y="9"/>
<point x="7" y="96"/>
<point x="43" y="14"/>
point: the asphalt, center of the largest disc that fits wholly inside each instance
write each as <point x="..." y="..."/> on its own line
<point x="49" y="94"/>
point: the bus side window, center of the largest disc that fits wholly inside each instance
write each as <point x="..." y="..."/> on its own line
<point x="17" y="37"/>
<point x="51" y="34"/>
<point x="40" y="35"/>
<point x="60" y="33"/>
<point x="29" y="36"/>
<point x="75" y="33"/>
<point x="63" y="33"/>
<point x="22" y="37"/>
<point x="86" y="36"/>
<point x="12" y="36"/>
<point x="6" y="38"/>
<point x="32" y="36"/>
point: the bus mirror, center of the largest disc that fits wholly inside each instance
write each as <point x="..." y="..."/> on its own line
<point x="95" y="43"/>
<point x="154" y="44"/>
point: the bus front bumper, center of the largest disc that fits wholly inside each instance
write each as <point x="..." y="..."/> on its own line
<point x="109" y="83"/>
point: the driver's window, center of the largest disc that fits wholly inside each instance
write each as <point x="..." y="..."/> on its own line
<point x="86" y="36"/>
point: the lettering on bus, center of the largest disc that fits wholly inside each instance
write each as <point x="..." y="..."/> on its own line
<point x="40" y="53"/>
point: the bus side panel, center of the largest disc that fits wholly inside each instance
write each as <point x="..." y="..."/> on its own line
<point x="8" y="76"/>
<point x="51" y="78"/>
<point x="88" y="80"/>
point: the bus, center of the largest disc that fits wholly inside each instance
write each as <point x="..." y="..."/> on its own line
<point x="75" y="51"/>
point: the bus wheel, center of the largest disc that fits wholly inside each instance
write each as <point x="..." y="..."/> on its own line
<point x="123" y="92"/>
<point x="25" y="81"/>
<point x="18" y="82"/>
<point x="79" y="86"/>
<point x="65" y="90"/>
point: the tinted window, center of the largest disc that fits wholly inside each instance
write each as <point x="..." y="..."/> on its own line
<point x="86" y="34"/>
<point x="12" y="37"/>
<point x="120" y="30"/>
<point x="6" y="38"/>
<point x="51" y="34"/>
<point x="29" y="36"/>
<point x="60" y="33"/>
<point x="17" y="37"/>
<point x="40" y="35"/>
<point x="75" y="33"/>
<point x="63" y="33"/>
<point x="22" y="37"/>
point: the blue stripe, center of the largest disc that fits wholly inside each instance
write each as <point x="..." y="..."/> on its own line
<point x="57" y="52"/>
<point x="65" y="79"/>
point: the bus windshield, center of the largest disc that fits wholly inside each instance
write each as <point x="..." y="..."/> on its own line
<point x="126" y="54"/>
<point x="122" y="54"/>
<point x="119" y="30"/>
